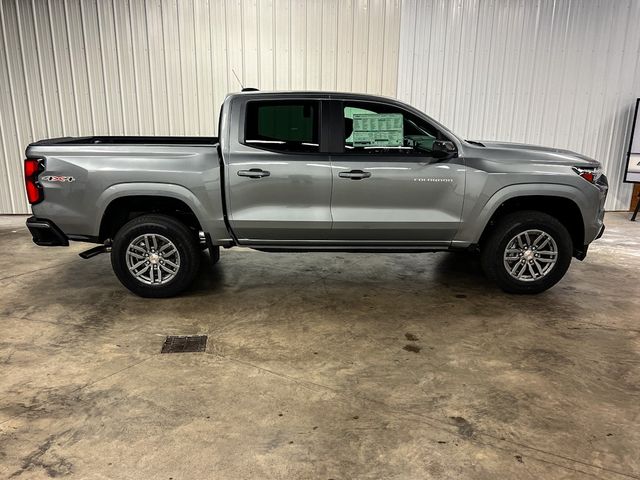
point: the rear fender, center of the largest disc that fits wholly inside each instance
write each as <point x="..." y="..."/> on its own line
<point x="205" y="215"/>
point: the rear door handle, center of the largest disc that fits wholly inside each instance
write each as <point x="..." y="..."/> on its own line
<point x="355" y="174"/>
<point x="253" y="173"/>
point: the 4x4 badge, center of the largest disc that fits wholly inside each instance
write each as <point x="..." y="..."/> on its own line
<point x="58" y="178"/>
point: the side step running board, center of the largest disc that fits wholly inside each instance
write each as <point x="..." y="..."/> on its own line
<point x="92" y="252"/>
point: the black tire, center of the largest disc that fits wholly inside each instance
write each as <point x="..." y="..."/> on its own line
<point x="493" y="249"/>
<point x="185" y="243"/>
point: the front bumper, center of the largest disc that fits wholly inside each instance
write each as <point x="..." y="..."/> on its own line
<point x="46" y="233"/>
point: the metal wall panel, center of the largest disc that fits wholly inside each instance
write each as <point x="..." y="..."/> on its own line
<point x="561" y="73"/>
<point x="163" y="67"/>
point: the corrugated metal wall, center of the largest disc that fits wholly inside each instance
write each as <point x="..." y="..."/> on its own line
<point x="163" y="67"/>
<point x="561" y="73"/>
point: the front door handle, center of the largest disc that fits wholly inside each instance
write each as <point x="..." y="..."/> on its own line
<point x="253" y="173"/>
<point x="355" y="174"/>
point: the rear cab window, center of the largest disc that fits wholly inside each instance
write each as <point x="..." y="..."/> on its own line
<point x="283" y="125"/>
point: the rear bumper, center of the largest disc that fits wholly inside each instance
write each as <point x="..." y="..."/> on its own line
<point x="46" y="233"/>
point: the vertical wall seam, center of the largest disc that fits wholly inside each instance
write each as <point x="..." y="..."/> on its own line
<point x="180" y="51"/>
<point x="366" y="67"/>
<point x="258" y="45"/>
<point x="195" y="62"/>
<point x="151" y="75"/>
<point x="226" y="50"/>
<point x="242" y="46"/>
<point x="384" y="46"/>
<point x="5" y="161"/>
<point x="86" y="61"/>
<point x="119" y="67"/>
<point x="40" y="73"/>
<point x="24" y="69"/>
<point x="211" y="49"/>
<point x="3" y="23"/>
<point x="104" y="71"/>
<point x="273" y="43"/>
<point x="321" y="39"/>
<point x="56" y="70"/>
<point x="72" y="70"/>
<point x="135" y="69"/>
<point x="306" y="43"/>
<point x="289" y="43"/>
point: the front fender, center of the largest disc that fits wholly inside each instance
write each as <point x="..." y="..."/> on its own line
<point x="476" y="215"/>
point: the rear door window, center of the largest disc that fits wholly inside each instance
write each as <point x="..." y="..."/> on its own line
<point x="286" y="126"/>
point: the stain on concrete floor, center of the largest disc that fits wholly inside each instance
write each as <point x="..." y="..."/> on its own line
<point x="300" y="381"/>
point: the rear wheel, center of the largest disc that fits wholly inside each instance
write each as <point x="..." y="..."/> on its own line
<point x="155" y="256"/>
<point x="527" y="252"/>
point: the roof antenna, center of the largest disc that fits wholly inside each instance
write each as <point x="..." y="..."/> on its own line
<point x="234" y="74"/>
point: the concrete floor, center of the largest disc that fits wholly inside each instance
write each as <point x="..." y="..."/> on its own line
<point x="320" y="366"/>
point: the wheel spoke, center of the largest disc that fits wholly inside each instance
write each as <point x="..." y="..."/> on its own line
<point x="139" y="263"/>
<point x="170" y="252"/>
<point x="513" y="270"/>
<point x="141" y="272"/>
<point x="546" y="260"/>
<point x="547" y="238"/>
<point x="170" y="263"/>
<point x="138" y="248"/>
<point x="164" y="247"/>
<point x="524" y="267"/>
<point x="162" y="267"/>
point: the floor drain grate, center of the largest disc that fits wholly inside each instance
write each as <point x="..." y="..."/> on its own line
<point x="184" y="344"/>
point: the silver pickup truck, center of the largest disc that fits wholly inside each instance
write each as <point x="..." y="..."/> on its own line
<point x="315" y="171"/>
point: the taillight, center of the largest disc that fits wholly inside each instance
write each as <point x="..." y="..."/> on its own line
<point x="32" y="168"/>
<point x="589" y="174"/>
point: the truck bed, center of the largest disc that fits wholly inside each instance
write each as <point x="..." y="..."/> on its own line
<point x="115" y="140"/>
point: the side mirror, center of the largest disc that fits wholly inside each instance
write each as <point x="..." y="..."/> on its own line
<point x="443" y="148"/>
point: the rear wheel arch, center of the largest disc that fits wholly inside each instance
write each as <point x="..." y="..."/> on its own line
<point x="122" y="209"/>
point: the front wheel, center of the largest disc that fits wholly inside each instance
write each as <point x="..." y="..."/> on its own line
<point x="155" y="256"/>
<point x="527" y="252"/>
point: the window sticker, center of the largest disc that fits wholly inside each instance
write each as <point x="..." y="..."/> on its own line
<point x="377" y="130"/>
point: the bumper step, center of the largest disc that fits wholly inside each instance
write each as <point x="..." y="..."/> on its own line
<point x="46" y="233"/>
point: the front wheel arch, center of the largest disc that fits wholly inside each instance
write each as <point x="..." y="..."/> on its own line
<point x="563" y="209"/>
